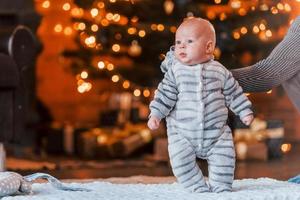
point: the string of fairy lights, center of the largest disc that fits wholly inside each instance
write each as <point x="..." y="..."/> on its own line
<point x="99" y="18"/>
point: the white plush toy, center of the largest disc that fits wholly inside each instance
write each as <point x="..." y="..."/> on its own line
<point x="12" y="183"/>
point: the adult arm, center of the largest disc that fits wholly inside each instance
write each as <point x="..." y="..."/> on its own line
<point x="281" y="65"/>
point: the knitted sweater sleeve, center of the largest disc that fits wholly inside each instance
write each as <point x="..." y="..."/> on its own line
<point x="282" y="64"/>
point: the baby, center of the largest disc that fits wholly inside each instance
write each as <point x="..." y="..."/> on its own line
<point x="193" y="96"/>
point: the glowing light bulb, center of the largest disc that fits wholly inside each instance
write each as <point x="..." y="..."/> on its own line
<point x="126" y="84"/>
<point x="116" y="47"/>
<point x="137" y="92"/>
<point x="58" y="28"/>
<point x="84" y="74"/>
<point x="94" y="12"/>
<point x="110" y="67"/>
<point x="146" y="93"/>
<point x="101" y="65"/>
<point x="46" y="4"/>
<point x="115" y="78"/>
<point x="66" y="7"/>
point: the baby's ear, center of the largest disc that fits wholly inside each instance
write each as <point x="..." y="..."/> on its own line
<point x="210" y="47"/>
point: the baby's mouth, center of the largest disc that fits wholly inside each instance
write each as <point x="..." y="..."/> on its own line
<point x="182" y="55"/>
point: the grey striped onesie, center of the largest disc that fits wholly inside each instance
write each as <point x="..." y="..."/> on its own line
<point x="194" y="100"/>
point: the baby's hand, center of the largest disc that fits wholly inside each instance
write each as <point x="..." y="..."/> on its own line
<point x="247" y="119"/>
<point x="153" y="123"/>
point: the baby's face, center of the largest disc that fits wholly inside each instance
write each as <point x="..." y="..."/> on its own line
<point x="191" y="43"/>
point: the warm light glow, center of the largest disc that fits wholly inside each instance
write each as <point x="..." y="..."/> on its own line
<point x="168" y="6"/>
<point x="218" y="1"/>
<point x="217" y="52"/>
<point x="262" y="27"/>
<point x="274" y="10"/>
<point x="269" y="92"/>
<point x="112" y="1"/>
<point x="110" y="67"/>
<point x="160" y="27"/>
<point x="223" y="16"/>
<point x="244" y="30"/>
<point x="264" y="7"/>
<point x="173" y="29"/>
<point x="116" y="17"/>
<point x="84" y="74"/>
<point x="90" y="40"/>
<point x="146" y="135"/>
<point x="269" y="33"/>
<point x="104" y="22"/>
<point x="280" y="6"/>
<point x="134" y="19"/>
<point x="116" y="47"/>
<point x="211" y="15"/>
<point x="100" y="5"/>
<point x="287" y="7"/>
<point x="80" y="89"/>
<point x="131" y="30"/>
<point x="262" y="36"/>
<point x="58" y="28"/>
<point x="109" y="16"/>
<point x="66" y="6"/>
<point x="101" y="65"/>
<point x="115" y="78"/>
<point x="46" y="4"/>
<point x="94" y="12"/>
<point x="137" y="92"/>
<point x="126" y="84"/>
<point x="235" y="4"/>
<point x="77" y="12"/>
<point x="94" y="27"/>
<point x="247" y="94"/>
<point x="142" y="33"/>
<point x="81" y="26"/>
<point x="286" y="147"/>
<point x="68" y="30"/>
<point x="102" y="139"/>
<point x="153" y="27"/>
<point x="146" y="93"/>
<point x="236" y="35"/>
<point x="242" y="11"/>
<point x="255" y="29"/>
<point x="80" y="82"/>
<point x="84" y="87"/>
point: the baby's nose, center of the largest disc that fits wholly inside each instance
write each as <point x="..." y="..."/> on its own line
<point x="182" y="45"/>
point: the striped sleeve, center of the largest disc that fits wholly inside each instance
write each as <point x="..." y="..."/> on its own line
<point x="165" y="96"/>
<point x="281" y="65"/>
<point x="235" y="98"/>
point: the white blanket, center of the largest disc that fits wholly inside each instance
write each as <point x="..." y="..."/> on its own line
<point x="246" y="189"/>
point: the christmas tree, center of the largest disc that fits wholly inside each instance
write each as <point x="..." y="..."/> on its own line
<point x="125" y="40"/>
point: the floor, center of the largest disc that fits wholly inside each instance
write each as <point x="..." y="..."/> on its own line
<point x="70" y="168"/>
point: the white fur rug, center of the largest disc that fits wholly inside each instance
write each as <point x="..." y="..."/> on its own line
<point x="246" y="189"/>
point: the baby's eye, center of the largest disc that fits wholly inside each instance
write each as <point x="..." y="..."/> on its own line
<point x="178" y="42"/>
<point x="190" y="41"/>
